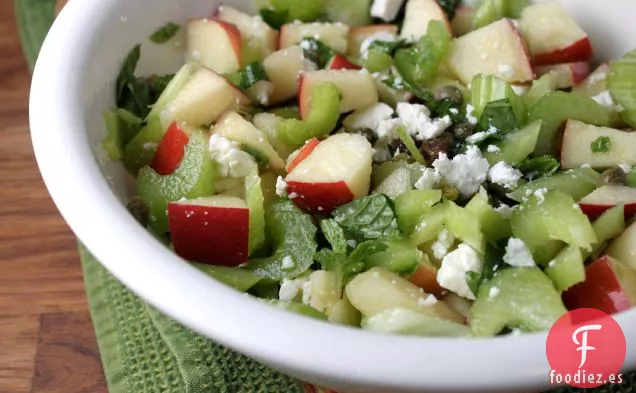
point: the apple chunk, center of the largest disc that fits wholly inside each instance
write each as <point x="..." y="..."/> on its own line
<point x="623" y="247"/>
<point x="578" y="141"/>
<point x="215" y="44"/>
<point x="334" y="35"/>
<point x="607" y="197"/>
<point x="283" y="68"/>
<point x="497" y="49"/>
<point x="357" y="35"/>
<point x="553" y="36"/>
<point x="340" y="62"/>
<point x="337" y="171"/>
<point x="462" y="23"/>
<point x="202" y="100"/>
<point x="566" y="75"/>
<point x="357" y="89"/>
<point x="258" y="39"/>
<point x="298" y="156"/>
<point x="212" y="230"/>
<point x="595" y="84"/>
<point x="171" y="148"/>
<point x="417" y="16"/>
<point x="609" y="286"/>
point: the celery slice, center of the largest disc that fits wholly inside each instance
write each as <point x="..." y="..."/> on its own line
<point x="255" y="202"/>
<point x="410" y="206"/>
<point x="517" y="146"/>
<point x="408" y="322"/>
<point x="575" y="182"/>
<point x="621" y="83"/>
<point x="489" y="88"/>
<point x="410" y="145"/>
<point x="235" y="277"/>
<point x="567" y="269"/>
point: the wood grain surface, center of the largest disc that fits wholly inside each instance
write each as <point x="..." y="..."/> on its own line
<point x="47" y="342"/>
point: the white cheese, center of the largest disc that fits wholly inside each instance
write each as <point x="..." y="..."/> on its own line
<point x="596" y="77"/>
<point x="368" y="117"/>
<point x="417" y="120"/>
<point x="281" y="187"/>
<point x="231" y="160"/>
<point x="466" y="172"/>
<point x="493" y="149"/>
<point x="626" y="168"/>
<point x="605" y="99"/>
<point x="377" y="36"/>
<point x="455" y="265"/>
<point x="517" y="254"/>
<point x="470" y="114"/>
<point x="427" y="301"/>
<point x="505" y="211"/>
<point x="386" y="10"/>
<point x="444" y="242"/>
<point x="290" y="289"/>
<point x="540" y="194"/>
<point x="429" y="179"/>
<point x="480" y="136"/>
<point x="504" y="175"/>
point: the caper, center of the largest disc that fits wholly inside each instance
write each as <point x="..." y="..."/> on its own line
<point x="613" y="176"/>
<point x="449" y="192"/>
<point x="462" y="131"/>
<point x="432" y="148"/>
<point x="403" y="157"/>
<point x="451" y="92"/>
<point x="139" y="210"/>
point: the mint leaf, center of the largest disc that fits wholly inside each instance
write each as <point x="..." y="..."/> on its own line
<point x="275" y="19"/>
<point x="292" y="234"/>
<point x="248" y="76"/>
<point x="388" y="47"/>
<point x="368" y="218"/>
<point x="498" y="115"/>
<point x="493" y="263"/>
<point x="334" y="235"/>
<point x="602" y="144"/>
<point x="537" y="167"/>
<point x="343" y="266"/>
<point x="164" y="33"/>
<point x="368" y="248"/>
<point x="316" y="51"/>
<point x="127" y="73"/>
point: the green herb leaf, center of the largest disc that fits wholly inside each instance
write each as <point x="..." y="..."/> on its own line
<point x="275" y="19"/>
<point x="368" y="218"/>
<point x="158" y="84"/>
<point x="248" y="76"/>
<point x="499" y="115"/>
<point x="341" y="264"/>
<point x="388" y="47"/>
<point x="257" y="155"/>
<point x="316" y="51"/>
<point x="335" y="236"/>
<point x="127" y="73"/>
<point x="292" y="234"/>
<point x="165" y="33"/>
<point x="537" y="167"/>
<point x="449" y="7"/>
<point x="368" y="248"/>
<point x="493" y="263"/>
<point x="602" y="144"/>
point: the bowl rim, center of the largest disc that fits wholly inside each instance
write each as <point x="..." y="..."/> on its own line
<point x="66" y="163"/>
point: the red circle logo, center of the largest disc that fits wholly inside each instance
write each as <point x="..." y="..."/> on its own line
<point x="585" y="348"/>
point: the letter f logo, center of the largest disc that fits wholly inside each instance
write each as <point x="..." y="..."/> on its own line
<point x="583" y="343"/>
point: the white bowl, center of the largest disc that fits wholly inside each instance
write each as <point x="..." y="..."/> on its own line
<point x="74" y="83"/>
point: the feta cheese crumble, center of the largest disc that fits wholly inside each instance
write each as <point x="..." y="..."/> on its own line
<point x="368" y="117"/>
<point x="231" y="160"/>
<point x="290" y="289"/>
<point x="493" y="149"/>
<point x="377" y="36"/>
<point x="505" y="211"/>
<point x="605" y="99"/>
<point x="540" y="194"/>
<point x="444" y="242"/>
<point x="517" y="254"/>
<point x="504" y="175"/>
<point x="455" y="265"/>
<point x="281" y="187"/>
<point x="386" y="10"/>
<point x="428" y="180"/>
<point x="470" y="110"/>
<point x="480" y="136"/>
<point x="466" y="172"/>
<point x="416" y="119"/>
<point x="427" y="301"/>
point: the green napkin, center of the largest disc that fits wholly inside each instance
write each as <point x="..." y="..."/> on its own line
<point x="142" y="350"/>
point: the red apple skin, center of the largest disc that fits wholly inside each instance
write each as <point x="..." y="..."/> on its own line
<point x="303" y="153"/>
<point x="303" y="97"/>
<point x="426" y="278"/>
<point x="319" y="197"/>
<point x="601" y="290"/>
<point x="595" y="211"/>
<point x="580" y="71"/>
<point x="209" y="234"/>
<point x="579" y="51"/>
<point x="234" y="34"/>
<point x="340" y="62"/>
<point x="170" y="150"/>
<point x="368" y="30"/>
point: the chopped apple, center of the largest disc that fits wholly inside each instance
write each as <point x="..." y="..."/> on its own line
<point x="553" y="36"/>
<point x="425" y="277"/>
<point x="357" y="35"/>
<point x="268" y="123"/>
<point x="234" y="127"/>
<point x="417" y="16"/>
<point x="302" y="153"/>
<point x="606" y="197"/>
<point x="497" y="49"/>
<point x="566" y="75"/>
<point x="337" y="171"/>
<point x="462" y="23"/>
<point x="356" y="87"/>
<point x="283" y="68"/>
<point x="215" y="44"/>
<point x="595" y="83"/>
<point x="212" y="230"/>
<point x="580" y="142"/>
<point x="202" y="100"/>
<point x="623" y="247"/>
<point x="340" y="62"/>
<point x="334" y="35"/>
<point x="171" y="148"/>
<point x="609" y="286"/>
<point x="258" y="39"/>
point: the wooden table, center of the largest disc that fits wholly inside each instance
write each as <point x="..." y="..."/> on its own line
<point x="47" y="342"/>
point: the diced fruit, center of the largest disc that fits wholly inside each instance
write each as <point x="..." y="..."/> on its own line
<point x="336" y="172"/>
<point x="203" y="100"/>
<point x="323" y="290"/>
<point x="610" y="286"/>
<point x="517" y="146"/>
<point x="378" y="289"/>
<point x="258" y="39"/>
<point x="357" y="35"/>
<point x="356" y="88"/>
<point x="553" y="36"/>
<point x="407" y="322"/>
<point x="390" y="95"/>
<point x="396" y="184"/>
<point x="459" y="304"/>
<point x="417" y="16"/>
<point x="283" y="68"/>
<point x="567" y="75"/>
<point x="578" y="140"/>
<point x="268" y="123"/>
<point x="552" y="215"/>
<point x="234" y="127"/>
<point x="177" y="83"/>
<point x="211" y="230"/>
<point x="497" y="49"/>
<point x="623" y="247"/>
<point x="171" y="149"/>
<point x="575" y="182"/>
<point x="340" y="62"/>
<point x="525" y="298"/>
<point x="557" y="108"/>
<point x="351" y="13"/>
<point x="334" y="35"/>
<point x="425" y="277"/>
<point x="410" y="206"/>
<point x="303" y="153"/>
<point x="567" y="268"/>
<point x="607" y="197"/>
<point x="595" y="83"/>
<point x="462" y="23"/>
<point x="343" y="312"/>
<point x="214" y="43"/>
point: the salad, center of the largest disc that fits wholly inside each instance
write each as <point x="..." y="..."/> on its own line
<point x="413" y="167"/>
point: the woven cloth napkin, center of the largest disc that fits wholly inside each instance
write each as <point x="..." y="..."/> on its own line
<point x="143" y="350"/>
